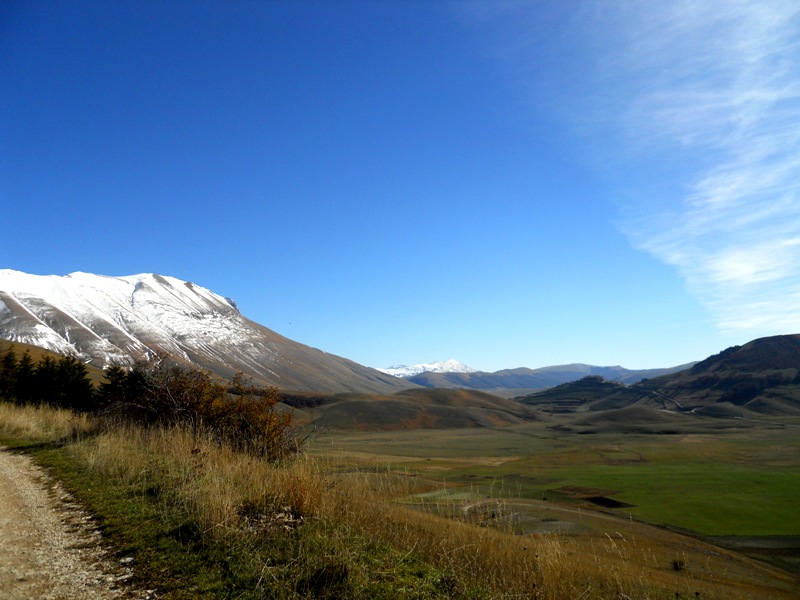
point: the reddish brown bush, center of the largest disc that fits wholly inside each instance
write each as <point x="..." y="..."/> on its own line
<point x="241" y="415"/>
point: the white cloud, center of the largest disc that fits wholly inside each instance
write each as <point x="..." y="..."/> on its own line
<point x="705" y="96"/>
<point x="720" y="82"/>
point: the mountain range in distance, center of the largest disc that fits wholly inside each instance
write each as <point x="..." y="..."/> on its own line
<point x="516" y="382"/>
<point x="443" y="366"/>
<point x="758" y="380"/>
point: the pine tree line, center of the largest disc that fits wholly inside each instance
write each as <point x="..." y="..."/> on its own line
<point x="62" y="381"/>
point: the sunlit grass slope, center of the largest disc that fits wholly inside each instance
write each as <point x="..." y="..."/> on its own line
<point x="203" y="521"/>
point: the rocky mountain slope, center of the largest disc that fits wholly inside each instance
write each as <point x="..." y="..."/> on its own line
<point x="120" y="319"/>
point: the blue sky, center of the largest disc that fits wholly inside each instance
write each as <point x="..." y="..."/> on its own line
<point x="505" y="183"/>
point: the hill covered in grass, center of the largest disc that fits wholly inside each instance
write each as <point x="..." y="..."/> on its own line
<point x="409" y="409"/>
<point x="533" y="510"/>
<point x="758" y="379"/>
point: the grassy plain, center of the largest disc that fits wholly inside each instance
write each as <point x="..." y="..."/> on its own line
<point x="740" y="479"/>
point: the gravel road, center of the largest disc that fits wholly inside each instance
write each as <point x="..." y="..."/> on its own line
<point x="49" y="548"/>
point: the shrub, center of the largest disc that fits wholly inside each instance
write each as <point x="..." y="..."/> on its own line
<point x="242" y="416"/>
<point x="249" y="421"/>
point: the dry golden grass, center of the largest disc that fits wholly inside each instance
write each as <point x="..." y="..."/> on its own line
<point x="227" y="492"/>
<point x="42" y="423"/>
<point x="230" y="495"/>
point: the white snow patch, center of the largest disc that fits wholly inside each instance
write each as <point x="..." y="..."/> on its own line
<point x="445" y="366"/>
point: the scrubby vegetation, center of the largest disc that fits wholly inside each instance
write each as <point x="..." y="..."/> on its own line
<point x="156" y="393"/>
<point x="200" y="482"/>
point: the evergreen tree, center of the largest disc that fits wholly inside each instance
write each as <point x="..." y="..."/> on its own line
<point x="115" y="389"/>
<point x="45" y="380"/>
<point x="74" y="388"/>
<point x="24" y="379"/>
<point x="8" y="374"/>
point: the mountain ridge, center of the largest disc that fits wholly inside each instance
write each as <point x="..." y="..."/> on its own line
<point x="523" y="380"/>
<point x="104" y="320"/>
<point x="761" y="377"/>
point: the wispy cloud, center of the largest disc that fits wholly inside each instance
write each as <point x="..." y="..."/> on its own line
<point x="720" y="81"/>
<point x="709" y="89"/>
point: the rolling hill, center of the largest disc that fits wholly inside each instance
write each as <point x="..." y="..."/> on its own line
<point x="515" y="382"/>
<point x="409" y="409"/>
<point x="760" y="378"/>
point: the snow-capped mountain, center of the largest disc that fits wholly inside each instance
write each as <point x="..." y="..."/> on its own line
<point x="443" y="366"/>
<point x="120" y="319"/>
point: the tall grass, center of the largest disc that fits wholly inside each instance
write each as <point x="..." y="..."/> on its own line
<point x="232" y="497"/>
<point x="41" y="423"/>
<point x="304" y="532"/>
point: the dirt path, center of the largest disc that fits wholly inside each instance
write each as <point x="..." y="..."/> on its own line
<point x="48" y="546"/>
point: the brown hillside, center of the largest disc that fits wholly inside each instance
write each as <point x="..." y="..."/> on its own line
<point x="416" y="409"/>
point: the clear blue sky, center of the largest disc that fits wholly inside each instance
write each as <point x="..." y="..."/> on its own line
<point x="505" y="183"/>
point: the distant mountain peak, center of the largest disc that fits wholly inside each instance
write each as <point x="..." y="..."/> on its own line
<point x="444" y="366"/>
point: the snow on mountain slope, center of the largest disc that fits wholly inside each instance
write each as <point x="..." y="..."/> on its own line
<point x="117" y="318"/>
<point x="444" y="366"/>
<point x="120" y="319"/>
